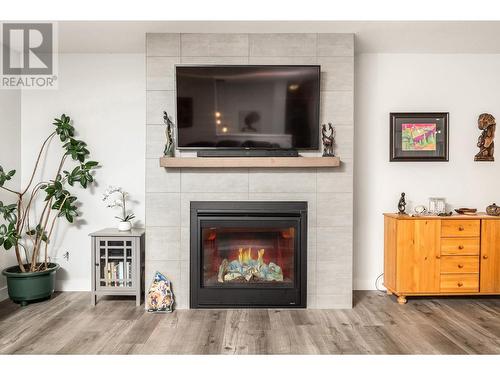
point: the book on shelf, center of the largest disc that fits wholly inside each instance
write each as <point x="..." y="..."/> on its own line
<point x="129" y="273"/>
<point x="115" y="273"/>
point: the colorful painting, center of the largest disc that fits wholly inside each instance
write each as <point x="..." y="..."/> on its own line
<point x="160" y="297"/>
<point x="418" y="137"/>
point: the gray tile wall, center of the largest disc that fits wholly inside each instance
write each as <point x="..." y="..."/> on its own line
<point x="328" y="192"/>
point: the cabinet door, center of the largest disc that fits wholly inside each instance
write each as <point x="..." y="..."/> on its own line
<point x="115" y="268"/>
<point x="418" y="263"/>
<point x="490" y="257"/>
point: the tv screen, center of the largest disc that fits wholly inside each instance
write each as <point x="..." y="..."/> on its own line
<point x="248" y="107"/>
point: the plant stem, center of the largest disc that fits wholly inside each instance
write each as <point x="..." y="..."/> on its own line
<point x="18" y="223"/>
<point x="38" y="241"/>
<point x="35" y="190"/>
<point x="51" y="229"/>
<point x="38" y="161"/>
<point x="10" y="191"/>
<point x="21" y="217"/>
<point x="124" y="209"/>
<point x="46" y="210"/>
<point x="63" y="159"/>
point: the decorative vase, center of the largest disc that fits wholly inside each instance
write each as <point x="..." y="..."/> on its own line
<point x="493" y="210"/>
<point x="24" y="287"/>
<point x="124" y="226"/>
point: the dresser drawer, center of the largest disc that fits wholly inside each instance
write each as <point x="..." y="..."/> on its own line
<point x="460" y="264"/>
<point x="460" y="246"/>
<point x="460" y="228"/>
<point x="459" y="283"/>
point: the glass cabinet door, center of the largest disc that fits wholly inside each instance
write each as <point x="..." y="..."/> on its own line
<point x="115" y="259"/>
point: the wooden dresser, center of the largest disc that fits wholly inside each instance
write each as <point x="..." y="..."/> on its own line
<point x="455" y="255"/>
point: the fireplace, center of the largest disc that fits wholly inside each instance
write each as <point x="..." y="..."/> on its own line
<point x="248" y="254"/>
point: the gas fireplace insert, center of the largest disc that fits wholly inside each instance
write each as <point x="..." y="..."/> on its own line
<point x="248" y="254"/>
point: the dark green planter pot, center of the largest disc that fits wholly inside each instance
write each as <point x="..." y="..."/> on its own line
<point x="24" y="287"/>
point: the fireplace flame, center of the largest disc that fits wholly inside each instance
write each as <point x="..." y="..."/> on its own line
<point x="245" y="256"/>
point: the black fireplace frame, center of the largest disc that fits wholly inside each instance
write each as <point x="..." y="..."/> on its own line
<point x="241" y="297"/>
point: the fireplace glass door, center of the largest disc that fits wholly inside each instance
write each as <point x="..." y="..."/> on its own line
<point x="248" y="254"/>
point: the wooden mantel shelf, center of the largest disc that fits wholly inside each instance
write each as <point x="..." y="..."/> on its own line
<point x="250" y="162"/>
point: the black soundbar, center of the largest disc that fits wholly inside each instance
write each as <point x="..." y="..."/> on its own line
<point x="246" y="153"/>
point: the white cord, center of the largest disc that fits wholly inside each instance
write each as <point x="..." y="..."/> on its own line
<point x="376" y="283"/>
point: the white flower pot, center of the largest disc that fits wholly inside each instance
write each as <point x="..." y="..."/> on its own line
<point x="124" y="226"/>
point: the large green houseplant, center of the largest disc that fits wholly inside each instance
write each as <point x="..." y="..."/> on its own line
<point x="27" y="228"/>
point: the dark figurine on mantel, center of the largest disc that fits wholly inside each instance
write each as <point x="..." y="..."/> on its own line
<point x="328" y="139"/>
<point x="487" y="124"/>
<point x="402" y="205"/>
<point x="169" y="134"/>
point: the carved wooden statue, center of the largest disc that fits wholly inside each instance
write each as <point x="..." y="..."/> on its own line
<point x="328" y="139"/>
<point x="486" y="123"/>
<point x="169" y="134"/>
<point x="402" y="205"/>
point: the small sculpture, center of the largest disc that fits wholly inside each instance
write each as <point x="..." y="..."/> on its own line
<point x="420" y="210"/>
<point x="493" y="210"/>
<point x="486" y="123"/>
<point x="169" y="134"/>
<point x="328" y="139"/>
<point x="402" y="205"/>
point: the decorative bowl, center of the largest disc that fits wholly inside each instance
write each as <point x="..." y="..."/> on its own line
<point x="466" y="211"/>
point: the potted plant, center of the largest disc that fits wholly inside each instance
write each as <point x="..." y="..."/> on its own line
<point x="29" y="231"/>
<point x="117" y="197"/>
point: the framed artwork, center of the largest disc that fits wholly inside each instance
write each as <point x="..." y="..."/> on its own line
<point x="419" y="136"/>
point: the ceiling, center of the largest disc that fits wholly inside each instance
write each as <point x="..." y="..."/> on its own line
<point x="371" y="36"/>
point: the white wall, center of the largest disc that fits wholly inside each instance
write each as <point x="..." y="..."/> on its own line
<point x="465" y="86"/>
<point x="10" y="158"/>
<point x="105" y="96"/>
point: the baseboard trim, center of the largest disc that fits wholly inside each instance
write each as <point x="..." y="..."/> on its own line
<point x="76" y="285"/>
<point x="363" y="284"/>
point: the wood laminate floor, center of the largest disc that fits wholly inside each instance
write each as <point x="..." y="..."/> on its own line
<point x="67" y="324"/>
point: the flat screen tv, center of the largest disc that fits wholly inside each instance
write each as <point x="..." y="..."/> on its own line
<point x="248" y="107"/>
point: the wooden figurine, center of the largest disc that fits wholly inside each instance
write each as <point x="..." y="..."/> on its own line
<point x="328" y="139"/>
<point x="402" y="205"/>
<point x="169" y="134"/>
<point x="486" y="123"/>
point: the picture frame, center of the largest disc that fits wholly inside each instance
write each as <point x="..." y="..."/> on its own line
<point x="419" y="136"/>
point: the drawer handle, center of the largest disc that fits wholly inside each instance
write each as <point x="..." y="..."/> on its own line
<point x="460" y="284"/>
<point x="460" y="266"/>
<point x="485" y="256"/>
<point x="438" y="256"/>
<point x="461" y="228"/>
<point x="461" y="247"/>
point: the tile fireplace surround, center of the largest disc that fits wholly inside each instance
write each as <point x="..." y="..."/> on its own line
<point x="328" y="191"/>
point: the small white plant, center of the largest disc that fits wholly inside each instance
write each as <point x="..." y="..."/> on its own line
<point x="115" y="196"/>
